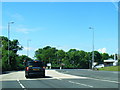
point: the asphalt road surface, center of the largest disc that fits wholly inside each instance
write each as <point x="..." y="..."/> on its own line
<point x="62" y="79"/>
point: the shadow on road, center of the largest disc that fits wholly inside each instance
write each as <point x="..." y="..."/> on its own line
<point x="34" y="77"/>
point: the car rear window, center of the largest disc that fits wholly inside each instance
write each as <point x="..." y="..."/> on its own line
<point x="35" y="64"/>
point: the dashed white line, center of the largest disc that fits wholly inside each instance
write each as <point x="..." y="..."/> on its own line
<point x="20" y="83"/>
<point x="104" y="80"/>
<point x="81" y="84"/>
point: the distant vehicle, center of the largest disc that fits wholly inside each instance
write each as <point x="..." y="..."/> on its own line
<point x="99" y="66"/>
<point x="34" y="68"/>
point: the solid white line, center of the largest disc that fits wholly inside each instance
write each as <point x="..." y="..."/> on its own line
<point x="81" y="84"/>
<point x="84" y="85"/>
<point x="57" y="78"/>
<point x="20" y="83"/>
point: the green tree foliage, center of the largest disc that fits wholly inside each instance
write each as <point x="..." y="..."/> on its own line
<point x="105" y="56"/>
<point x="60" y="54"/>
<point x="111" y="56"/>
<point x="22" y="61"/>
<point x="47" y="54"/>
<point x="14" y="46"/>
<point x="71" y="59"/>
<point x="98" y="57"/>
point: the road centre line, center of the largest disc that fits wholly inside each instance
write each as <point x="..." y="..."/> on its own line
<point x="20" y="83"/>
<point x="81" y="84"/>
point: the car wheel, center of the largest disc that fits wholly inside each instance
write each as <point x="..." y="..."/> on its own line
<point x="26" y="76"/>
<point x="43" y="75"/>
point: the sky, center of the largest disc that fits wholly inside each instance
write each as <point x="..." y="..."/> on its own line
<point x="64" y="25"/>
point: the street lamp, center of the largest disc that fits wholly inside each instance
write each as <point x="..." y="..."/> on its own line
<point x="9" y="39"/>
<point x="28" y="47"/>
<point x="93" y="48"/>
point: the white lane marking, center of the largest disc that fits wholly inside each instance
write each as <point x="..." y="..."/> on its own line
<point x="104" y="80"/>
<point x="20" y="83"/>
<point x="81" y="84"/>
<point x="57" y="78"/>
<point x="80" y="77"/>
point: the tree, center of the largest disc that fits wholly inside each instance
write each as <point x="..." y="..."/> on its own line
<point x="97" y="57"/>
<point x="84" y="61"/>
<point x="111" y="56"/>
<point x="60" y="54"/>
<point x="46" y="54"/>
<point x="105" y="56"/>
<point x="14" y="46"/>
<point x="77" y="58"/>
<point x="22" y="61"/>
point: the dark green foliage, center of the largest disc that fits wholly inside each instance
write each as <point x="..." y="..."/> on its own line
<point x="71" y="59"/>
<point x="105" y="56"/>
<point x="22" y="61"/>
<point x="15" y="61"/>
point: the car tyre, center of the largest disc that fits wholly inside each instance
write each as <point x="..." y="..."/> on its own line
<point x="43" y="75"/>
<point x="26" y="76"/>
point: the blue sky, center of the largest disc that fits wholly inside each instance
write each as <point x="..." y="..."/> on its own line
<point x="63" y="25"/>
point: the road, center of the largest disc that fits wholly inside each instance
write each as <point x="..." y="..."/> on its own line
<point x="62" y="79"/>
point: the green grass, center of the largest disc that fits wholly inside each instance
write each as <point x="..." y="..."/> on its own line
<point x="111" y="68"/>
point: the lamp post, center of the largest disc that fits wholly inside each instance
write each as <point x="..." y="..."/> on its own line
<point x="93" y="48"/>
<point x="9" y="39"/>
<point x="28" y="47"/>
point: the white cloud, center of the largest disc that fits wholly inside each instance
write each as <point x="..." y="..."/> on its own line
<point x="65" y="48"/>
<point x="26" y="48"/>
<point x="17" y="17"/>
<point x="35" y="49"/>
<point x="30" y="48"/>
<point x="23" y="30"/>
<point x="21" y="54"/>
<point x="2" y="27"/>
<point x="102" y="50"/>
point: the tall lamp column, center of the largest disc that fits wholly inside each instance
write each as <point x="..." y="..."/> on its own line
<point x="93" y="48"/>
<point x="9" y="41"/>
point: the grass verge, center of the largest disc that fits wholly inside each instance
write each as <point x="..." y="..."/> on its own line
<point x="111" y="68"/>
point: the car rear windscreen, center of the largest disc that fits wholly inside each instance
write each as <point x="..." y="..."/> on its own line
<point x="35" y="64"/>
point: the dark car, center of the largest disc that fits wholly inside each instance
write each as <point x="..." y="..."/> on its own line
<point x="34" y="68"/>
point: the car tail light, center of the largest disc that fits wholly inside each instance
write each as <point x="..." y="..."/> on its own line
<point x="27" y="68"/>
<point x="44" y="67"/>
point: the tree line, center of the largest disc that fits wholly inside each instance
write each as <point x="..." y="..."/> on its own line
<point x="70" y="59"/>
<point x="58" y="58"/>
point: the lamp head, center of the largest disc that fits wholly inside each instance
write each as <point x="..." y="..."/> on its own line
<point x="10" y="22"/>
<point x="91" y="28"/>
